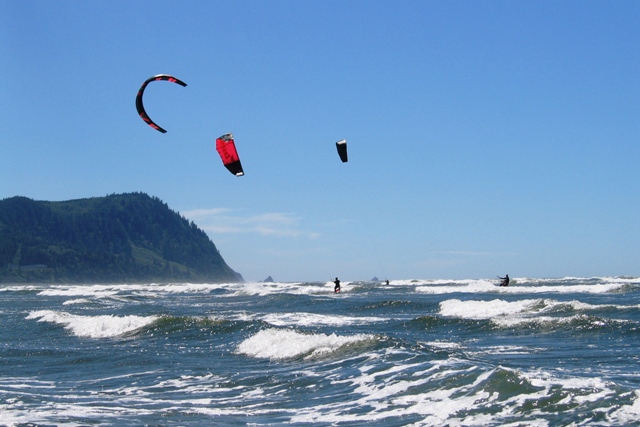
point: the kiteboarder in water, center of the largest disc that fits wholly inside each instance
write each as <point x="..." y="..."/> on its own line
<point x="336" y="289"/>
<point x="505" y="280"/>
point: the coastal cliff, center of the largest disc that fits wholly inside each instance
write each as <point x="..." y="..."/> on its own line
<point x="118" y="238"/>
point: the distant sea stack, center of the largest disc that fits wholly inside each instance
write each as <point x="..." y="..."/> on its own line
<point x="118" y="238"/>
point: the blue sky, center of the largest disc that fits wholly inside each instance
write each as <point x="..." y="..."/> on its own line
<point x="484" y="137"/>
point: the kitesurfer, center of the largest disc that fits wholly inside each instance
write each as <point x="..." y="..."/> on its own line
<point x="387" y="281"/>
<point x="505" y="280"/>
<point x="336" y="289"/>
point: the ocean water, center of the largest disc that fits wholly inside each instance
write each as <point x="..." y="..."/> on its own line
<point x="541" y="352"/>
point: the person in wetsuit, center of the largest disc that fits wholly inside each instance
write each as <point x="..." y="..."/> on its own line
<point x="336" y="289"/>
<point x="505" y="280"/>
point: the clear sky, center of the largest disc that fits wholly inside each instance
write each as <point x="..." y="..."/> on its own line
<point x="484" y="137"/>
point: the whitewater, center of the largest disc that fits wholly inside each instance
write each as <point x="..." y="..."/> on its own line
<point x="540" y="352"/>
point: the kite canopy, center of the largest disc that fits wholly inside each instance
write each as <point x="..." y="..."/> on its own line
<point x="140" y="106"/>
<point x="226" y="147"/>
<point x="342" y="150"/>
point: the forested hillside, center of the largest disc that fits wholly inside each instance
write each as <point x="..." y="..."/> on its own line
<point x="118" y="238"/>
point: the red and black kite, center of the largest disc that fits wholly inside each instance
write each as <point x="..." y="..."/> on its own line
<point x="140" y="106"/>
<point x="226" y="147"/>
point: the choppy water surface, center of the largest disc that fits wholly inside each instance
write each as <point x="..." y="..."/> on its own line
<point x="541" y="352"/>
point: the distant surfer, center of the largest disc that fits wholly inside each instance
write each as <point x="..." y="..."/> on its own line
<point x="387" y="282"/>
<point x="336" y="288"/>
<point x="505" y="280"/>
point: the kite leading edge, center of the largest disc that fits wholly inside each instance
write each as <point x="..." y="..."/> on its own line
<point x="140" y="105"/>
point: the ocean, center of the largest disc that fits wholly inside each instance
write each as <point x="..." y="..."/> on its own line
<point x="540" y="352"/>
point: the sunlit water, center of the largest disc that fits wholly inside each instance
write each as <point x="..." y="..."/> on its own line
<point x="541" y="352"/>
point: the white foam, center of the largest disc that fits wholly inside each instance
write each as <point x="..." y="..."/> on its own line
<point x="19" y="414"/>
<point x="270" y="288"/>
<point x="564" y="289"/>
<point x="93" y="326"/>
<point x="519" y="286"/>
<point x="145" y="289"/>
<point x="507" y="314"/>
<point x="485" y="309"/>
<point x="511" y="322"/>
<point x="453" y="286"/>
<point x="80" y="290"/>
<point x="627" y="415"/>
<point x="399" y="391"/>
<point x="77" y="301"/>
<point x="444" y="345"/>
<point x="388" y="392"/>
<point x="287" y="343"/>
<point x="19" y="288"/>
<point x="312" y="319"/>
<point x="508" y="350"/>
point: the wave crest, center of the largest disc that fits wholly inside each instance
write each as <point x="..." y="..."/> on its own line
<point x="288" y="344"/>
<point x="105" y="326"/>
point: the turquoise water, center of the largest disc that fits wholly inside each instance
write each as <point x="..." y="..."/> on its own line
<point x="541" y="352"/>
